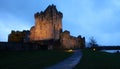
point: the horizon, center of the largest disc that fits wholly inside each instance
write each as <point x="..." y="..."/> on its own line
<point x="99" y="19"/>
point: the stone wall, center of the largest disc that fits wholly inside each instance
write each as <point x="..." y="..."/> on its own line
<point x="81" y="42"/>
<point x="19" y="36"/>
<point x="19" y="46"/>
<point x="65" y="38"/>
<point x="48" y="25"/>
<point x="71" y="42"/>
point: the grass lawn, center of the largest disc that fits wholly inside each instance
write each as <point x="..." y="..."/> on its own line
<point x="31" y="59"/>
<point x="99" y="60"/>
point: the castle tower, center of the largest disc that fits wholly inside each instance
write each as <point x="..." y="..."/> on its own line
<point x="48" y="25"/>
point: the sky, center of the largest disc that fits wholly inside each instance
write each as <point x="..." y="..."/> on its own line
<point x="89" y="18"/>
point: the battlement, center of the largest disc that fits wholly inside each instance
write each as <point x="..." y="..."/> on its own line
<point x="19" y="36"/>
<point x="50" y="13"/>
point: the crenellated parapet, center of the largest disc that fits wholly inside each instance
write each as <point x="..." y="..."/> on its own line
<point x="19" y="36"/>
<point x="50" y="13"/>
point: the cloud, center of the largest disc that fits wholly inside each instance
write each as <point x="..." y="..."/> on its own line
<point x="98" y="18"/>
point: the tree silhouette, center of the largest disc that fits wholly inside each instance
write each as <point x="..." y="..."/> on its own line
<point x="92" y="42"/>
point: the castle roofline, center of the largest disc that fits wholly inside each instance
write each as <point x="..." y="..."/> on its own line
<point x="51" y="9"/>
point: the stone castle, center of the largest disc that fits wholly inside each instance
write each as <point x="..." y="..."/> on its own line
<point x="48" y="27"/>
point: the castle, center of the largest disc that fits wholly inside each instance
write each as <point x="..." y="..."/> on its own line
<point x="48" y="27"/>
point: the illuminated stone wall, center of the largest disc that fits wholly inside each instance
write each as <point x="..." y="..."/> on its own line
<point x="19" y="36"/>
<point x="48" y="25"/>
<point x="71" y="42"/>
<point x="65" y="40"/>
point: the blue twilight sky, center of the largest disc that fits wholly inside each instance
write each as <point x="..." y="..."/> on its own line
<point x="97" y="18"/>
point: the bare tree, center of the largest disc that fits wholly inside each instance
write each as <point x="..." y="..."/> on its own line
<point x="92" y="42"/>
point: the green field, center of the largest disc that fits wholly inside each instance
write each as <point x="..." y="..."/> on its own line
<point x="31" y="59"/>
<point x="99" y="60"/>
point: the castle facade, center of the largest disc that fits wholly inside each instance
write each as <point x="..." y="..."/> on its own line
<point x="48" y="26"/>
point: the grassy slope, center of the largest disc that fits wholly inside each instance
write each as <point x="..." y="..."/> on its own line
<point x="30" y="60"/>
<point x="99" y="60"/>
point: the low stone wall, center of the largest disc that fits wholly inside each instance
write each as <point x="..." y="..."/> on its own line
<point x="15" y="46"/>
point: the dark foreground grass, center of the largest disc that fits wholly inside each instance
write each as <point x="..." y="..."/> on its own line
<point x="99" y="60"/>
<point x="31" y="59"/>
